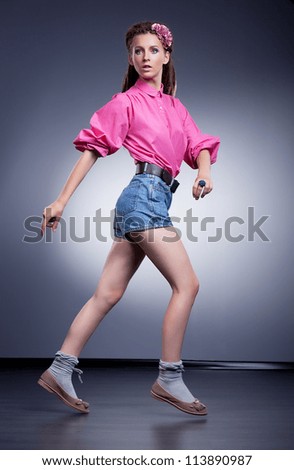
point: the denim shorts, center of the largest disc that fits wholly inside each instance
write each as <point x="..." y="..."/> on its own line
<point x="142" y="205"/>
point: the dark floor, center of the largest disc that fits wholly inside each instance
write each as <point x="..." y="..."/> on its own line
<point x="248" y="409"/>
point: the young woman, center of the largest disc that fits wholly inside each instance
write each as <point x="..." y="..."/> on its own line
<point x="159" y="134"/>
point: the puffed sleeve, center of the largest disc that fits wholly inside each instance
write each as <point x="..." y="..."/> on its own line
<point x="108" y="127"/>
<point x="196" y="140"/>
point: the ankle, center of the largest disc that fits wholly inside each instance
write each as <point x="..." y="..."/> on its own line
<point x="171" y="380"/>
<point x="62" y="368"/>
<point x="165" y="365"/>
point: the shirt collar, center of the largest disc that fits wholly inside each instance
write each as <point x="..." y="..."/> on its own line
<point x="150" y="90"/>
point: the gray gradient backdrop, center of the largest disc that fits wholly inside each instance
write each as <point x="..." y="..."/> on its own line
<point x="60" y="61"/>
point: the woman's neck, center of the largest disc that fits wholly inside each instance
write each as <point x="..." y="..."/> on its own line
<point x="155" y="83"/>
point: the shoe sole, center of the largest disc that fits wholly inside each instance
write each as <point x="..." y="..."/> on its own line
<point x="176" y="405"/>
<point x="50" y="389"/>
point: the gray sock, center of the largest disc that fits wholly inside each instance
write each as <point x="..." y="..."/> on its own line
<point x="170" y="378"/>
<point x="62" y="368"/>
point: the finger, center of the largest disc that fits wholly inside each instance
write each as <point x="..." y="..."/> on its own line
<point x="43" y="226"/>
<point x="196" y="192"/>
<point x="55" y="223"/>
<point x="206" y="191"/>
<point x="47" y="214"/>
<point x="199" y="192"/>
<point x="52" y="223"/>
<point x="208" y="188"/>
<point x="199" y="187"/>
<point x="47" y="219"/>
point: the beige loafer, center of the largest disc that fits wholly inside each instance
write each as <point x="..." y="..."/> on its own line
<point x="194" y="408"/>
<point x="48" y="382"/>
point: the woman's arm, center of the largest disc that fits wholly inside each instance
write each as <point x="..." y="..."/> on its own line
<point x="203" y="161"/>
<point x="78" y="173"/>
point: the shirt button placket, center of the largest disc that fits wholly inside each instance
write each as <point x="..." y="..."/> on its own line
<point x="161" y="109"/>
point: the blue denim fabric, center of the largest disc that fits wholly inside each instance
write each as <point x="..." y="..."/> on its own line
<point x="142" y="205"/>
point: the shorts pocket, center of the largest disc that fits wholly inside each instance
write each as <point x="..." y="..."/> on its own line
<point x="127" y="201"/>
<point x="160" y="198"/>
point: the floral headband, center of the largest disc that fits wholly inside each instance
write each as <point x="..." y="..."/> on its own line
<point x="163" y="34"/>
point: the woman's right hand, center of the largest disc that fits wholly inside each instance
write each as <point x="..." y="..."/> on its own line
<point x="51" y="216"/>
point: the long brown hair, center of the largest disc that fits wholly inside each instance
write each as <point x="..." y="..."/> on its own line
<point x="168" y="71"/>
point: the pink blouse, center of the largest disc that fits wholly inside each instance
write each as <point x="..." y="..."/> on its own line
<point x="153" y="126"/>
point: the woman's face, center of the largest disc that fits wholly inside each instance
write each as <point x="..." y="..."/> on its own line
<point x="148" y="56"/>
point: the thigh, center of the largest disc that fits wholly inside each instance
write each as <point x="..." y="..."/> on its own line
<point x="121" y="264"/>
<point x="165" y="249"/>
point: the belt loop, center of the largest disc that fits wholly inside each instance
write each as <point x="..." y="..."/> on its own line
<point x="145" y="167"/>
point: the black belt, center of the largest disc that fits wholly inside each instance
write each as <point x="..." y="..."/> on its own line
<point x="152" y="169"/>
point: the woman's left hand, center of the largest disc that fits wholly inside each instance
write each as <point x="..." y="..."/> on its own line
<point x="201" y="191"/>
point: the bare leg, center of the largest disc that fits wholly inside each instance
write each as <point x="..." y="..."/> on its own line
<point x="168" y="254"/>
<point x="122" y="262"/>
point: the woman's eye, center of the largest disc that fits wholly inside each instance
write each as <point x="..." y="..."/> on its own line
<point x="155" y="50"/>
<point x="137" y="51"/>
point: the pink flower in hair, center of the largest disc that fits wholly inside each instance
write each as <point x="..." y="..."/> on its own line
<point x="164" y="34"/>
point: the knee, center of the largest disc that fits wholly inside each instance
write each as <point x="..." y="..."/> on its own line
<point x="107" y="297"/>
<point x="194" y="287"/>
<point x="188" y="288"/>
